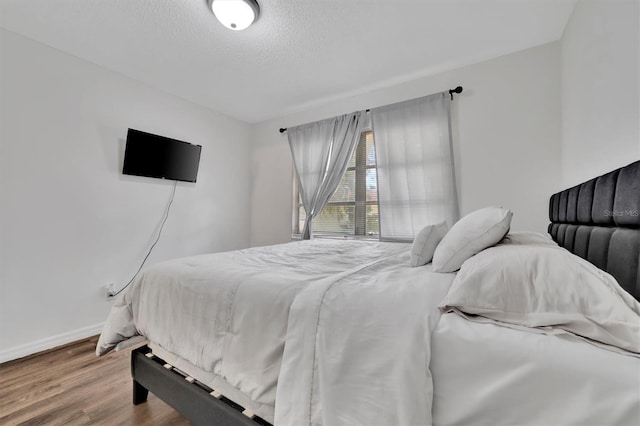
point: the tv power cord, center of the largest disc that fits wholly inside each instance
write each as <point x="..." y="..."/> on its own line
<point x="165" y="216"/>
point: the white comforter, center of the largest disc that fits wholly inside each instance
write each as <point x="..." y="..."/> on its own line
<point x="359" y="325"/>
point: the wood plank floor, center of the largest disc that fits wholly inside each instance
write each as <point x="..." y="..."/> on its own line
<point x="72" y="386"/>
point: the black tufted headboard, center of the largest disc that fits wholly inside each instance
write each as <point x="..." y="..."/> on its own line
<point x="599" y="220"/>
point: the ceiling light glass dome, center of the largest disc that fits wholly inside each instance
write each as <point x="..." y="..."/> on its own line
<point x="235" y="14"/>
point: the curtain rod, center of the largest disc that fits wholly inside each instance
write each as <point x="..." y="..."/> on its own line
<point x="451" y="92"/>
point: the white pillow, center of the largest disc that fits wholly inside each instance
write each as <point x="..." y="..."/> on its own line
<point x="528" y="238"/>
<point x="547" y="289"/>
<point x="425" y="243"/>
<point x="473" y="233"/>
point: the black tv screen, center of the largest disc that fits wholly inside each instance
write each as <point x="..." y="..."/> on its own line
<point x="156" y="156"/>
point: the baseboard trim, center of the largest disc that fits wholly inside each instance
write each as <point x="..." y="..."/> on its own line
<point x="49" y="342"/>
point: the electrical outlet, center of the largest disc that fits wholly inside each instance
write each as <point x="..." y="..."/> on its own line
<point x="110" y="290"/>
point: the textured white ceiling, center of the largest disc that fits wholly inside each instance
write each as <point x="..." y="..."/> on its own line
<point x="299" y="53"/>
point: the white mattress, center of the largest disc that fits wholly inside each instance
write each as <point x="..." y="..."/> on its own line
<point x="485" y="374"/>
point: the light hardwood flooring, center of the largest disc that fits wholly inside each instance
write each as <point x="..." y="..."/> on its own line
<point x="70" y="385"/>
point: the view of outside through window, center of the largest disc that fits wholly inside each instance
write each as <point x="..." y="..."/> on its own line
<point x="353" y="208"/>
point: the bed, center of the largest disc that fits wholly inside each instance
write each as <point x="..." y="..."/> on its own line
<point x="221" y="321"/>
<point x="347" y="332"/>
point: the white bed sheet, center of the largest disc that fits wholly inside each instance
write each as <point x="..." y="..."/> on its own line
<point x="486" y="374"/>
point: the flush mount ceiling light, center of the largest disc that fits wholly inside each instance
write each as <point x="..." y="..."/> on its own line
<point x="235" y="14"/>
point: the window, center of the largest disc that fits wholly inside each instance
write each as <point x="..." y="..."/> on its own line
<point x="353" y="208"/>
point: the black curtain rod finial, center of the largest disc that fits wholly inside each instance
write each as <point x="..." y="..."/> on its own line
<point x="283" y="129"/>
<point x="456" y="90"/>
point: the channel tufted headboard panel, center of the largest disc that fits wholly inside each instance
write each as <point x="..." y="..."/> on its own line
<point x="599" y="220"/>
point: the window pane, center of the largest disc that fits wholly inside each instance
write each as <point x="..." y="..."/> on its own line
<point x="346" y="190"/>
<point x="371" y="149"/>
<point x="373" y="221"/>
<point x="352" y="161"/>
<point x="302" y="218"/>
<point x="372" y="185"/>
<point x="338" y="219"/>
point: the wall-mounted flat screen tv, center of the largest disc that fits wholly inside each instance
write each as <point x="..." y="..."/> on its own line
<point x="156" y="156"/>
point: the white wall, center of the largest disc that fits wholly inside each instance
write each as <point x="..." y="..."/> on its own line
<point x="600" y="89"/>
<point x="527" y="124"/>
<point x="70" y="222"/>
<point x="506" y="140"/>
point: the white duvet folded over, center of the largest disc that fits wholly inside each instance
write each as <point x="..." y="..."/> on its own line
<point x="358" y="348"/>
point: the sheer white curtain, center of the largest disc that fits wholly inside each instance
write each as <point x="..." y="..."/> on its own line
<point x="416" y="182"/>
<point x="321" y="153"/>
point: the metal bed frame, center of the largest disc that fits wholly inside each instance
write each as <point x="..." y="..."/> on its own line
<point x="191" y="398"/>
